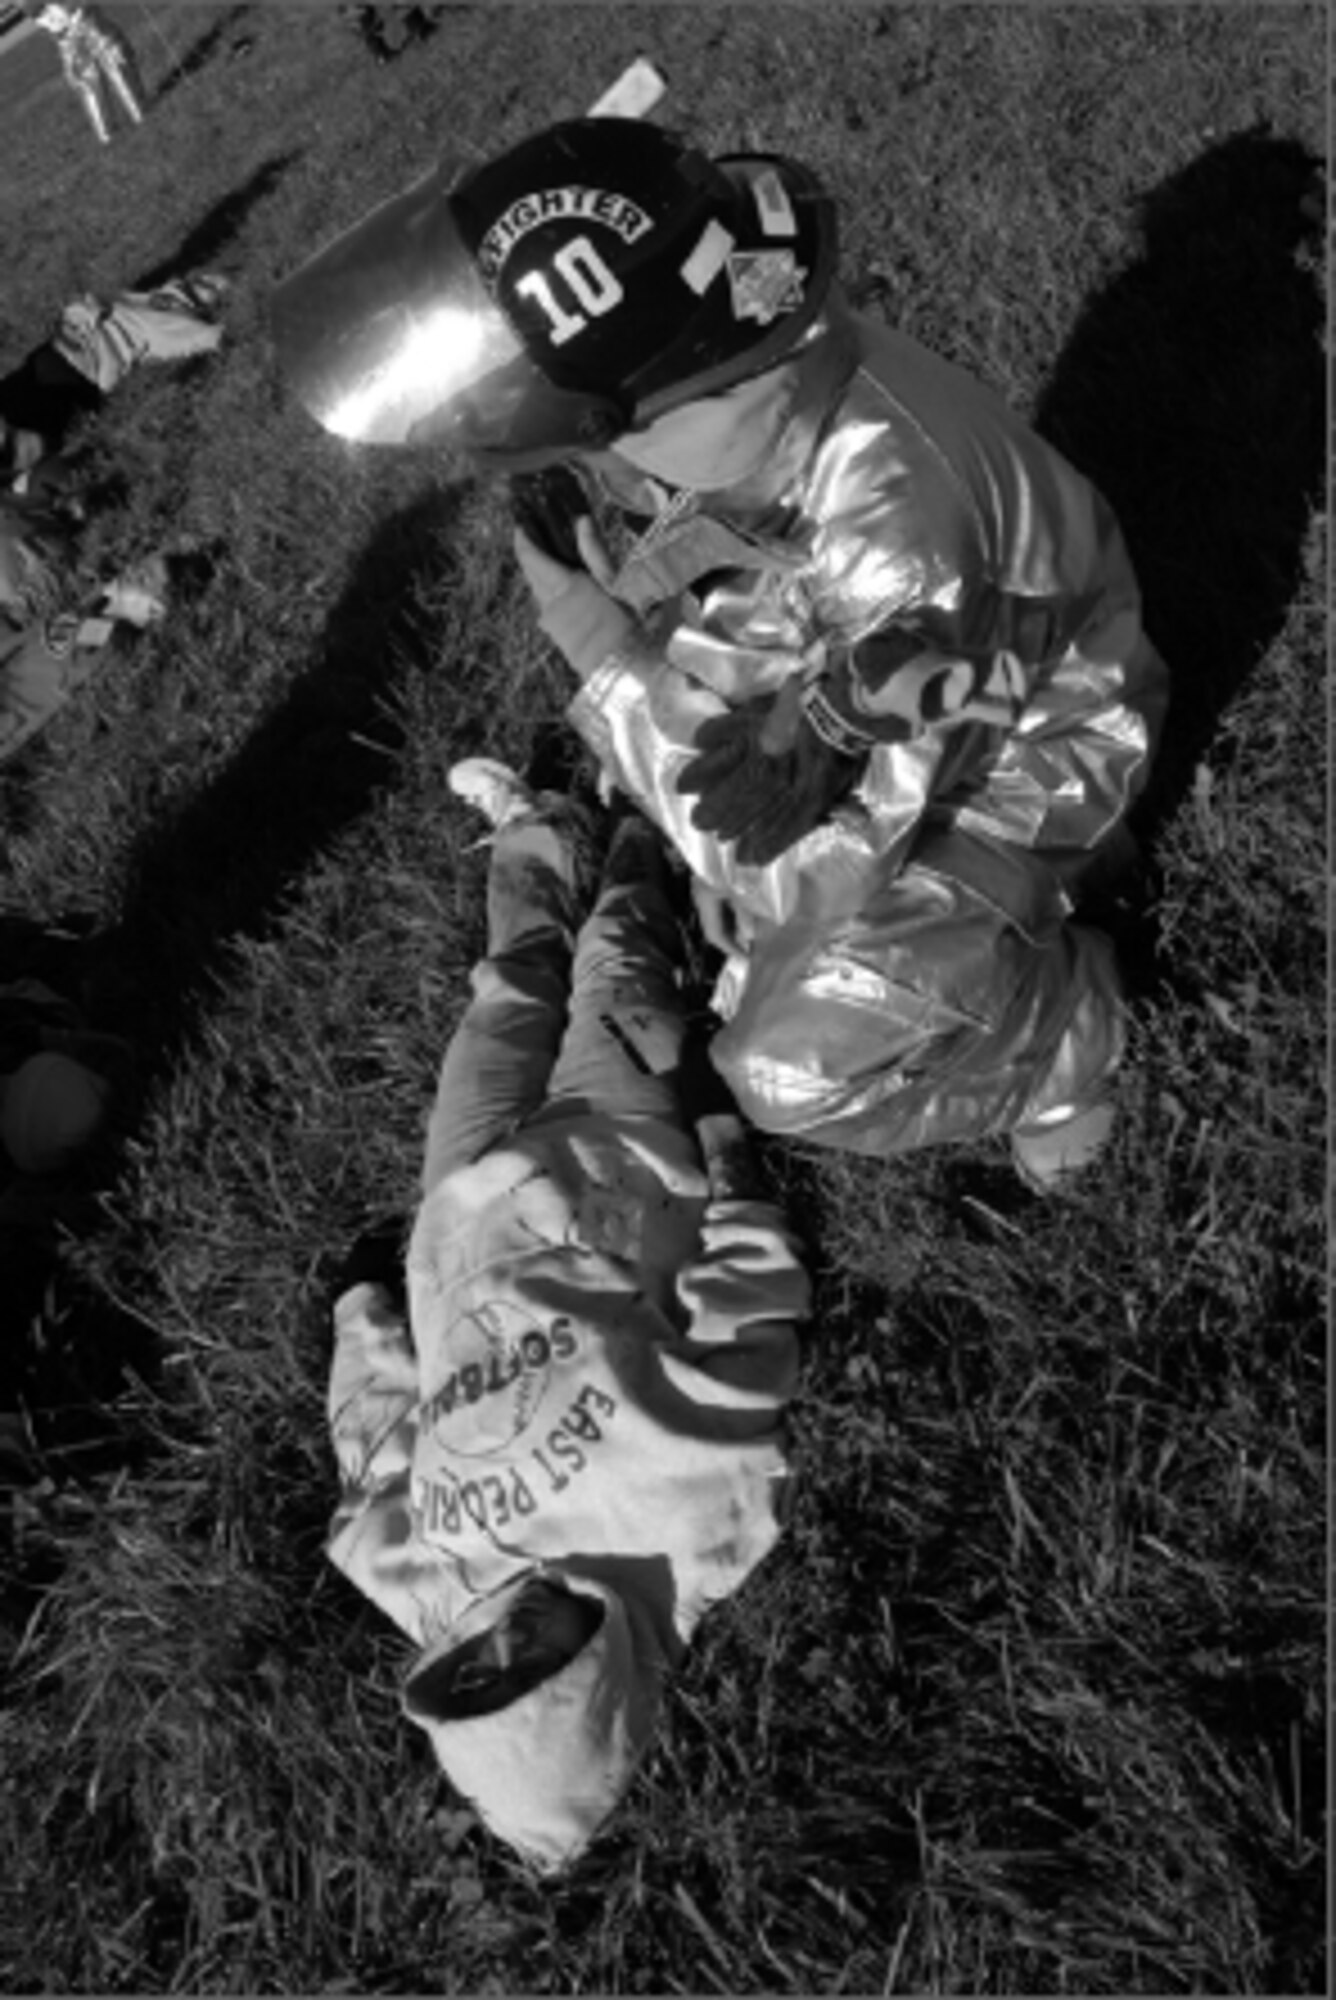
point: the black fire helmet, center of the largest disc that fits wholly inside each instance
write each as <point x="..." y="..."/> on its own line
<point x="581" y="285"/>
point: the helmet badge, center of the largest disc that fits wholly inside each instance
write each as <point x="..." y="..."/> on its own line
<point x="764" y="284"/>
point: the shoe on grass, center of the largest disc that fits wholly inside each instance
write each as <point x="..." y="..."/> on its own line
<point x="138" y="596"/>
<point x="1048" y="1158"/>
<point x="505" y="799"/>
<point x="497" y="792"/>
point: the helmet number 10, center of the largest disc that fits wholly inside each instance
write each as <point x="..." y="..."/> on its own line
<point x="585" y="276"/>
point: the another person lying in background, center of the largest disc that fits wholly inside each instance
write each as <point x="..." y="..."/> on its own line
<point x="92" y="348"/>
<point x="55" y="625"/>
<point x="56" y="629"/>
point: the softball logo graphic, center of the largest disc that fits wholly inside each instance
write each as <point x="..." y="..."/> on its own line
<point x="502" y="1360"/>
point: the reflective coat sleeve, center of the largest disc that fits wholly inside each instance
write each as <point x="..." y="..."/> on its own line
<point x="964" y="571"/>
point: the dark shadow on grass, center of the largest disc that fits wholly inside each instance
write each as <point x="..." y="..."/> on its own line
<point x="68" y="1352"/>
<point x="1192" y="392"/>
<point x="202" y="52"/>
<point x="66" y="1355"/>
<point x="198" y="249"/>
<point x="1261" y="1717"/>
<point x="222" y="868"/>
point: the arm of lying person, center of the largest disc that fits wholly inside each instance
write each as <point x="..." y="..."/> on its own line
<point x="372" y="1399"/>
<point x="373" y="1416"/>
<point x="743" y="1294"/>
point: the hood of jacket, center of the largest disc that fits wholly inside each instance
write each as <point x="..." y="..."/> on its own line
<point x="545" y="1768"/>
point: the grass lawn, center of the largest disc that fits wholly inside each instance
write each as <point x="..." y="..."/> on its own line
<point x="1031" y="1698"/>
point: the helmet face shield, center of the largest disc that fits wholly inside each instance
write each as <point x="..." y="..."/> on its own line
<point x="387" y="333"/>
<point x="389" y="336"/>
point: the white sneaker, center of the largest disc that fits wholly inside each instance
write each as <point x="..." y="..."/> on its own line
<point x="139" y="596"/>
<point x="497" y="792"/>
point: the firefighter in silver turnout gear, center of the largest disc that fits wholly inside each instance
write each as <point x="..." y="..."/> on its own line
<point x="873" y="658"/>
<point x="94" y="52"/>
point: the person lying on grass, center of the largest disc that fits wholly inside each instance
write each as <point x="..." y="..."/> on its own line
<point x="872" y="655"/>
<point x="94" y="345"/>
<point x="56" y="627"/>
<point x="51" y="640"/>
<point x="567" y="1445"/>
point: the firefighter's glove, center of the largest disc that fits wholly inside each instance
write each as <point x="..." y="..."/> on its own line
<point x="771" y="770"/>
<point x="576" y="610"/>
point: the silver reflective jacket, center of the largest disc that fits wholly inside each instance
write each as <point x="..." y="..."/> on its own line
<point x="906" y="973"/>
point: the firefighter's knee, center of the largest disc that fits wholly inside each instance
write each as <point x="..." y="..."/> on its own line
<point x="784" y="1092"/>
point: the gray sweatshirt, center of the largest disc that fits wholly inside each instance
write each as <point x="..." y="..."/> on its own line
<point x="589" y="1393"/>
